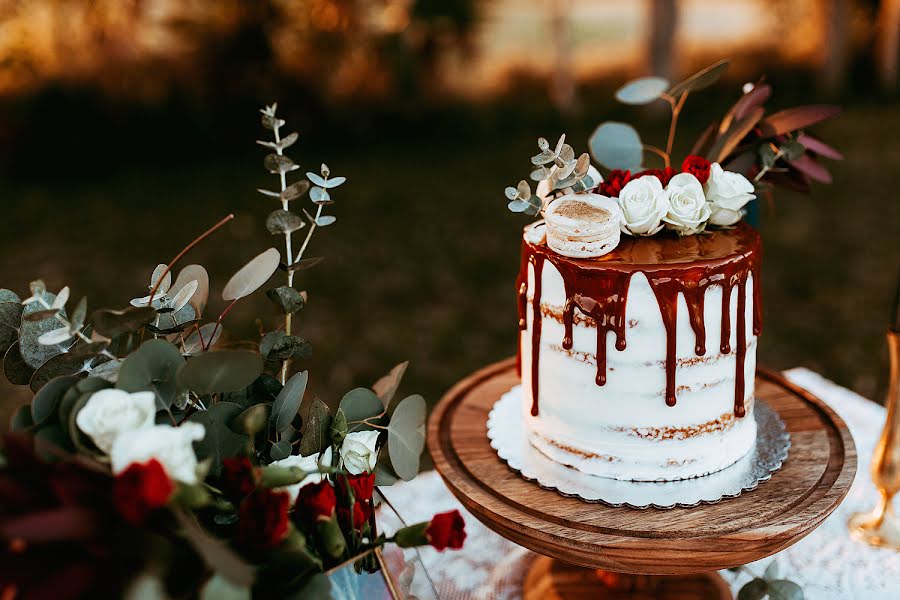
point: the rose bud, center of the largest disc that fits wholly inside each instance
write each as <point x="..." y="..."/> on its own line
<point x="141" y="489"/>
<point x="316" y="501"/>
<point x="362" y="485"/>
<point x="239" y="476"/>
<point x="263" y="520"/>
<point x="446" y="530"/>
<point x="696" y="166"/>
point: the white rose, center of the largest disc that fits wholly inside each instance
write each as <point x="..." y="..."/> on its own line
<point x="171" y="446"/>
<point x="358" y="451"/>
<point x="111" y="412"/>
<point x="307" y="463"/>
<point x="644" y="204"/>
<point x="688" y="210"/>
<point x="727" y="193"/>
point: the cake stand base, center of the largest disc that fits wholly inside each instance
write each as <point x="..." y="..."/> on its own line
<point x="551" y="579"/>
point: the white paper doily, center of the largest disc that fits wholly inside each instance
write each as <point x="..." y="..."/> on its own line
<point x="512" y="446"/>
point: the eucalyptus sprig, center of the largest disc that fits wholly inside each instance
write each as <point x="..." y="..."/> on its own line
<point x="559" y="168"/>
<point x="285" y="222"/>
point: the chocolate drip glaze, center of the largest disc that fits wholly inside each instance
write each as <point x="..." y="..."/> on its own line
<point x="687" y="266"/>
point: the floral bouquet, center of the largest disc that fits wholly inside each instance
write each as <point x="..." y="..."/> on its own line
<point x="159" y="457"/>
<point x="738" y="156"/>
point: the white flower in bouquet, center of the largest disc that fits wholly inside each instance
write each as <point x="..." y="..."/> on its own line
<point x="688" y="209"/>
<point x="358" y="451"/>
<point x="307" y="463"/>
<point x="110" y="413"/>
<point x="171" y="446"/>
<point x="644" y="204"/>
<point x="727" y="193"/>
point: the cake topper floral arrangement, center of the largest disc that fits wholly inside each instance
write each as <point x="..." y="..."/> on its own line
<point x="735" y="159"/>
<point x="158" y="452"/>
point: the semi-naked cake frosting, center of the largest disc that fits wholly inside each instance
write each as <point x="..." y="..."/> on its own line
<point x="639" y="364"/>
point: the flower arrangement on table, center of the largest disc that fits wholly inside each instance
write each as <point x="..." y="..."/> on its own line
<point x="737" y="157"/>
<point x="156" y="455"/>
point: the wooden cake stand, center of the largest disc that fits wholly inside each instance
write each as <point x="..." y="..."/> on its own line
<point x="627" y="550"/>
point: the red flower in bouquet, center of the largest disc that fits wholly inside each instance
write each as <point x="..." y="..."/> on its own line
<point x="614" y="183"/>
<point x="141" y="489"/>
<point x="696" y="166"/>
<point x="362" y="485"/>
<point x="239" y="476"/>
<point x="446" y="530"/>
<point x="263" y="520"/>
<point x="664" y="175"/>
<point x="317" y="501"/>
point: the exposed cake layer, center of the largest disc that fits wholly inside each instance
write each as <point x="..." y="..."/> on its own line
<point x="663" y="387"/>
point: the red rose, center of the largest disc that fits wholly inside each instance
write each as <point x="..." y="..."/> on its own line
<point x="614" y="183"/>
<point x="446" y="530"/>
<point x="239" y="476"/>
<point x="141" y="489"/>
<point x="361" y="513"/>
<point x="664" y="175"/>
<point x="316" y="501"/>
<point x="363" y="485"/>
<point x="263" y="520"/>
<point x="696" y="166"/>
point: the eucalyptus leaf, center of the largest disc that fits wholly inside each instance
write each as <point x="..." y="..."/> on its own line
<point x="252" y="420"/>
<point x="339" y="428"/>
<point x="642" y="91"/>
<point x="406" y="436"/>
<point x="386" y="387"/>
<point x="335" y="182"/>
<point x="617" y="146"/>
<point x="289" y="347"/>
<point x="196" y="340"/>
<point x="278" y="164"/>
<point x="280" y="450"/>
<point x="33" y="352"/>
<point x="326" y="220"/>
<point x="61" y="364"/>
<point x="16" y="370"/>
<point x="220" y="441"/>
<point x="783" y="589"/>
<point x="268" y="342"/>
<point x="302" y="265"/>
<point x="153" y="366"/>
<point x="384" y="472"/>
<point x="287" y="298"/>
<point x="21" y="419"/>
<point x="10" y="319"/>
<point x="700" y="80"/>
<point x="360" y="404"/>
<point x="9" y="296"/>
<point x="46" y="402"/>
<point x="755" y="589"/>
<point x="113" y="323"/>
<point x="319" y="195"/>
<point x="317" y="430"/>
<point x="295" y="190"/>
<point x="287" y="403"/>
<point x="284" y="221"/>
<point x="220" y="371"/>
<point x="792" y="150"/>
<point x="201" y="294"/>
<point x="316" y="179"/>
<point x="288" y="140"/>
<point x="773" y="571"/>
<point x="252" y="276"/>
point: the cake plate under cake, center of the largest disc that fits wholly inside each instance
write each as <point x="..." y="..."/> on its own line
<point x="623" y="548"/>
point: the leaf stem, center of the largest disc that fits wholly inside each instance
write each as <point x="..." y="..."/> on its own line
<point x="676" y="110"/>
<point x="178" y="256"/>
<point x="219" y="322"/>
<point x="658" y="151"/>
<point x="288" y="250"/>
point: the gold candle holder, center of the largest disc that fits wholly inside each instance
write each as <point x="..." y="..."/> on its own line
<point x="881" y="527"/>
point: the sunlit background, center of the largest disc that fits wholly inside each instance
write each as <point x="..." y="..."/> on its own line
<point x="128" y="127"/>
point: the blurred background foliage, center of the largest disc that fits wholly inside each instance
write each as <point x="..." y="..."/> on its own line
<point x="127" y="127"/>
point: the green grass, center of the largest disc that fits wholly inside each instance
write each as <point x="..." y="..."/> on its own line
<point x="422" y="260"/>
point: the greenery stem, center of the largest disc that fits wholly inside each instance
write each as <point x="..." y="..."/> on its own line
<point x="658" y="151"/>
<point x="288" y="252"/>
<point x="178" y="256"/>
<point x="676" y="110"/>
<point x="219" y="322"/>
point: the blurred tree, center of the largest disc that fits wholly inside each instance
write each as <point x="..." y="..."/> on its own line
<point x="888" y="50"/>
<point x="562" y="82"/>
<point x="661" y="41"/>
<point x="836" y="44"/>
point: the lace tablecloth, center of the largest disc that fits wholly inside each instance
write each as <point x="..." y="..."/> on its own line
<point x="827" y="563"/>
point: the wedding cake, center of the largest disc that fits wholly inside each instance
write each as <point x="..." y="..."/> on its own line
<point x="640" y="364"/>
